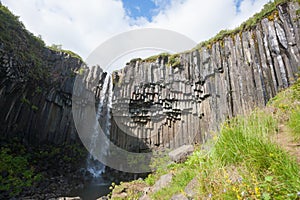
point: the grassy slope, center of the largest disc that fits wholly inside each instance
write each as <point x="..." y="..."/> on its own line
<point x="245" y="160"/>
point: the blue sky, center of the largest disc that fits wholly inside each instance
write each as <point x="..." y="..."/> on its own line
<point x="140" y="8"/>
<point x="150" y="8"/>
<point x="238" y="4"/>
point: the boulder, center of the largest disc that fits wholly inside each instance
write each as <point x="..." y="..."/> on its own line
<point x="164" y="181"/>
<point x="180" y="154"/>
<point x="145" y="197"/>
<point x="191" y="187"/>
<point x="179" y="197"/>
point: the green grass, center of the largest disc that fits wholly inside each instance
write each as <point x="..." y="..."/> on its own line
<point x="294" y="124"/>
<point x="288" y="104"/>
<point x="20" y="165"/>
<point x="15" y="38"/>
<point x="58" y="48"/>
<point x="155" y="57"/>
<point x="179" y="182"/>
<point x="246" y="142"/>
<point x="172" y="60"/>
<point x="20" y="174"/>
<point x="243" y="136"/>
<point x="243" y="162"/>
<point x="26" y="48"/>
<point x="294" y="120"/>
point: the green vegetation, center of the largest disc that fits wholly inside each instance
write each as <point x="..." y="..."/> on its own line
<point x="15" y="38"/>
<point x="269" y="10"/>
<point x="67" y="153"/>
<point x="133" y="190"/>
<point x="155" y="57"/>
<point x="34" y="108"/>
<point x="263" y="168"/>
<point x="25" y="100"/>
<point x="294" y="124"/>
<point x="134" y="60"/>
<point x="244" y="160"/>
<point x="58" y="48"/>
<point x="81" y="71"/>
<point x="172" y="60"/>
<point x="21" y="167"/>
<point x="180" y="180"/>
<point x="38" y="90"/>
<point x="16" y="171"/>
<point x="27" y="49"/>
<point x="288" y="103"/>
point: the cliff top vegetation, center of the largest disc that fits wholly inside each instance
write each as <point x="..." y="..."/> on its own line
<point x="23" y="44"/>
<point x="268" y="11"/>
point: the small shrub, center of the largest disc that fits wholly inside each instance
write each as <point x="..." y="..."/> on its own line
<point x="34" y="108"/>
<point x="174" y="60"/>
<point x="38" y="90"/>
<point x="150" y="180"/>
<point x="25" y="100"/>
<point x="134" y="60"/>
<point x="294" y="124"/>
<point x="58" y="48"/>
<point x="81" y="71"/>
<point x="19" y="172"/>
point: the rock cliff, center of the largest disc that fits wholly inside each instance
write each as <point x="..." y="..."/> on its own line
<point x="37" y="111"/>
<point x="179" y="99"/>
<point x="36" y="85"/>
<point x="168" y="102"/>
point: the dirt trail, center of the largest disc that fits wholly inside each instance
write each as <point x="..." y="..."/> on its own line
<point x="285" y="140"/>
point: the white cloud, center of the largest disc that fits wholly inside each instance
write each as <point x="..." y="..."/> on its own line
<point x="77" y="25"/>
<point x="83" y="25"/>
<point x="200" y="20"/>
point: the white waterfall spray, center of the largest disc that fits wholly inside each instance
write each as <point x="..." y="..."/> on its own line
<point x="103" y="115"/>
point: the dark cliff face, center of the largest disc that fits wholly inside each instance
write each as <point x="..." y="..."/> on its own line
<point x="38" y="110"/>
<point x="179" y="104"/>
<point x="36" y="85"/>
<point x="157" y="104"/>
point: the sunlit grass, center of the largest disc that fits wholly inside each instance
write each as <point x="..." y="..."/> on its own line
<point x="243" y="163"/>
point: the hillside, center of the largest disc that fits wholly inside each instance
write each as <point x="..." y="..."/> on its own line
<point x="252" y="157"/>
<point x="205" y="96"/>
<point x="40" y="153"/>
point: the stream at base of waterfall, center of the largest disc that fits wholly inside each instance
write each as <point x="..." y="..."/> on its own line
<point x="99" y="184"/>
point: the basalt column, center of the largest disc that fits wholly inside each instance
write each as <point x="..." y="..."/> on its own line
<point x="168" y="105"/>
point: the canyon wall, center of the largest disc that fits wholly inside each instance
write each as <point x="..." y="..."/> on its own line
<point x="180" y="104"/>
<point x="153" y="104"/>
<point x="37" y="109"/>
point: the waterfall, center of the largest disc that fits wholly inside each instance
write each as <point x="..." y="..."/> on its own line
<point x="103" y="115"/>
